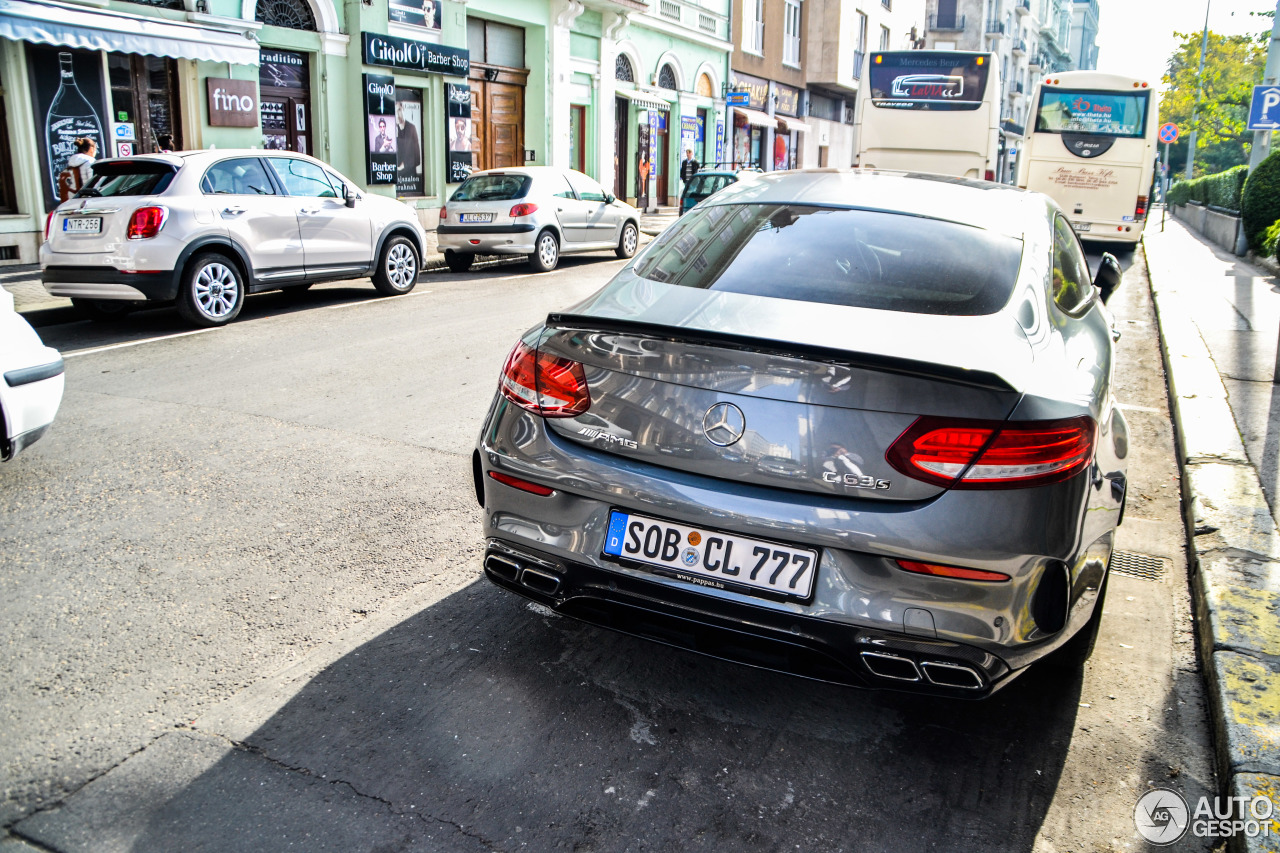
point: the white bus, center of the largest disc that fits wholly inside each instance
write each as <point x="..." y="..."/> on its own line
<point x="930" y="111"/>
<point x="1091" y="147"/>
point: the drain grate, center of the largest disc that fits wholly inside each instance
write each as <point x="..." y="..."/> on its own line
<point x="1141" y="566"/>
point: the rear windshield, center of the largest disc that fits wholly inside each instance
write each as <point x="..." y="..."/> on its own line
<point x="1122" y="114"/>
<point x="705" y="185"/>
<point x="136" y="177"/>
<point x="837" y="256"/>
<point x="493" y="188"/>
<point x="928" y="80"/>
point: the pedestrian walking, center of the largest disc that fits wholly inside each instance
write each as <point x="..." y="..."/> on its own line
<point x="688" y="167"/>
<point x="79" y="169"/>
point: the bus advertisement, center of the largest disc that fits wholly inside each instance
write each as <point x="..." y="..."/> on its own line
<point x="930" y="111"/>
<point x="1091" y="147"/>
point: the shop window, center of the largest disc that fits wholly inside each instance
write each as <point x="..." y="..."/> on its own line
<point x="577" y="137"/>
<point x="667" y="78"/>
<point x="144" y="93"/>
<point x="409" y="171"/>
<point x="290" y="14"/>
<point x="8" y="202"/>
<point x="704" y="86"/>
<point x="622" y="70"/>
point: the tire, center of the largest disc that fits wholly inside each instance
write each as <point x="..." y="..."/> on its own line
<point x="628" y="242"/>
<point x="546" y="252"/>
<point x="398" y="267"/>
<point x="458" y="261"/>
<point x="1073" y="654"/>
<point x="103" y="310"/>
<point x="212" y="291"/>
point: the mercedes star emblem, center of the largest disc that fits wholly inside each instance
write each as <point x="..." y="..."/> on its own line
<point x="723" y="424"/>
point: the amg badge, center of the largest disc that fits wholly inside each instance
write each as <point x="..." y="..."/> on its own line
<point x="600" y="435"/>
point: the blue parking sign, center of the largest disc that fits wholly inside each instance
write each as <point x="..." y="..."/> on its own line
<point x="1264" y="111"/>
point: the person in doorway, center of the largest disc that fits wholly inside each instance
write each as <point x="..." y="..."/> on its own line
<point x="688" y="167"/>
<point x="86" y="153"/>
<point x="165" y="141"/>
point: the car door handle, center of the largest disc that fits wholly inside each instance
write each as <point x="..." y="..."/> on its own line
<point x="234" y="211"/>
<point x="1115" y="334"/>
<point x="311" y="210"/>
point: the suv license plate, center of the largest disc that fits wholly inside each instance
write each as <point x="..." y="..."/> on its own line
<point x="82" y="224"/>
<point x="475" y="217"/>
<point x="1081" y="226"/>
<point x="711" y="558"/>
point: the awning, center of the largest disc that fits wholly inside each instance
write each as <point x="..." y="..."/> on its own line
<point x="757" y="118"/>
<point x="121" y="32"/>
<point x="790" y="124"/>
<point x="644" y="100"/>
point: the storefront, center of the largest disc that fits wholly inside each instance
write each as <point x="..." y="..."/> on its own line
<point x="752" y="124"/>
<point x="127" y="81"/>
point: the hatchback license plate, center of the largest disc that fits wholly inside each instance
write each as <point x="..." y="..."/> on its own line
<point x="1081" y="226"/>
<point x="475" y="217"/>
<point x="711" y="558"/>
<point x="82" y="224"/>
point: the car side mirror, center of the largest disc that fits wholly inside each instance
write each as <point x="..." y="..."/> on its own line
<point x="1108" y="277"/>
<point x="610" y="198"/>
<point x="349" y="196"/>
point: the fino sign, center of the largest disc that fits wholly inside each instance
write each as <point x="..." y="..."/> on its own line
<point x="232" y="103"/>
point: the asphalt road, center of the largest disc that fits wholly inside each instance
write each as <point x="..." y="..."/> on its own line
<point x="242" y="609"/>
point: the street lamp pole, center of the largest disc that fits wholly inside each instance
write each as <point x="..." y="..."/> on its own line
<point x="1204" y="45"/>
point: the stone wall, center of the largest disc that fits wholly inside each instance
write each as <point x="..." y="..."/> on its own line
<point x="1221" y="229"/>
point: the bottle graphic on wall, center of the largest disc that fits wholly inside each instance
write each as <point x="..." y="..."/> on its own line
<point x="70" y="117"/>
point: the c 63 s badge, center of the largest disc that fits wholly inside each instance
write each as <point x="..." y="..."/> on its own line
<point x="593" y="434"/>
<point x="854" y="481"/>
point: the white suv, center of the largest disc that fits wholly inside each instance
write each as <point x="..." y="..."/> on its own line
<point x="204" y="228"/>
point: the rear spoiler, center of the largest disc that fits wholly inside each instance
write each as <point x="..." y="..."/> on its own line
<point x="845" y="358"/>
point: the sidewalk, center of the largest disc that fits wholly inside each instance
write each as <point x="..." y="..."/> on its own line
<point x="1219" y="318"/>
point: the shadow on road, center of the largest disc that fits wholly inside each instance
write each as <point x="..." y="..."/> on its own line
<point x="480" y="723"/>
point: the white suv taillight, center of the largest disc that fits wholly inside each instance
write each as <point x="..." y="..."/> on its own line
<point x="544" y="384"/>
<point x="146" y="222"/>
<point x="48" y="224"/>
<point x="965" y="454"/>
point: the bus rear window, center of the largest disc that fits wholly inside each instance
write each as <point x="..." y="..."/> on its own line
<point x="1122" y="114"/>
<point x="928" y="80"/>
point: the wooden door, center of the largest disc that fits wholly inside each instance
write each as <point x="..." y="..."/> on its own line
<point x="622" y="114"/>
<point x="497" y="120"/>
<point x="660" y="167"/>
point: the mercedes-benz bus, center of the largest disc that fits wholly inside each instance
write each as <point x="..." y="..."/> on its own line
<point x="1091" y="147"/>
<point x="930" y="111"/>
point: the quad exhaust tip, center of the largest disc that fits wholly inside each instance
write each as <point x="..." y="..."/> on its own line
<point x="511" y="569"/>
<point x="939" y="673"/>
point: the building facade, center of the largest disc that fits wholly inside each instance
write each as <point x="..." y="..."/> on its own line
<point x="1084" y="35"/>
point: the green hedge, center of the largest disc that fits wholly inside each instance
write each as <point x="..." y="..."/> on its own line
<point x="1260" y="206"/>
<point x="1224" y="190"/>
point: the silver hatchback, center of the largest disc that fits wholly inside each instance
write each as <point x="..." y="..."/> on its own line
<point x="539" y="211"/>
<point x="854" y="426"/>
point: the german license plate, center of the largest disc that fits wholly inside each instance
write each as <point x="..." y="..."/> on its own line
<point x="475" y="217"/>
<point x="711" y="558"/>
<point x="82" y="224"/>
<point x="1081" y="226"/>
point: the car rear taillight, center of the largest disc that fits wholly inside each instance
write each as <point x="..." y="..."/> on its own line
<point x="991" y="176"/>
<point x="146" y="222"/>
<point x="48" y="224"/>
<point x="1140" y="212"/>
<point x="964" y="454"/>
<point x="941" y="571"/>
<point x="443" y="213"/>
<point x="544" y="384"/>
<point x="525" y="209"/>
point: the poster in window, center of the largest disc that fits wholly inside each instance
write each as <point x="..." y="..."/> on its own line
<point x="380" y="120"/>
<point x="642" y="166"/>
<point x="409" y="142"/>
<point x="458" y="130"/>
<point x="68" y="106"/>
<point x="415" y="13"/>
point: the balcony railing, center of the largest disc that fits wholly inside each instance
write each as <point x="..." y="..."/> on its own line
<point x="1023" y="7"/>
<point x="667" y="9"/>
<point x="1019" y="46"/>
<point x="858" y="58"/>
<point x="995" y="28"/>
<point x="946" y="22"/>
<point x="1017" y="87"/>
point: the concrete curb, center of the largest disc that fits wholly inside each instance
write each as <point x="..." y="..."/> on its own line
<point x="1233" y="545"/>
